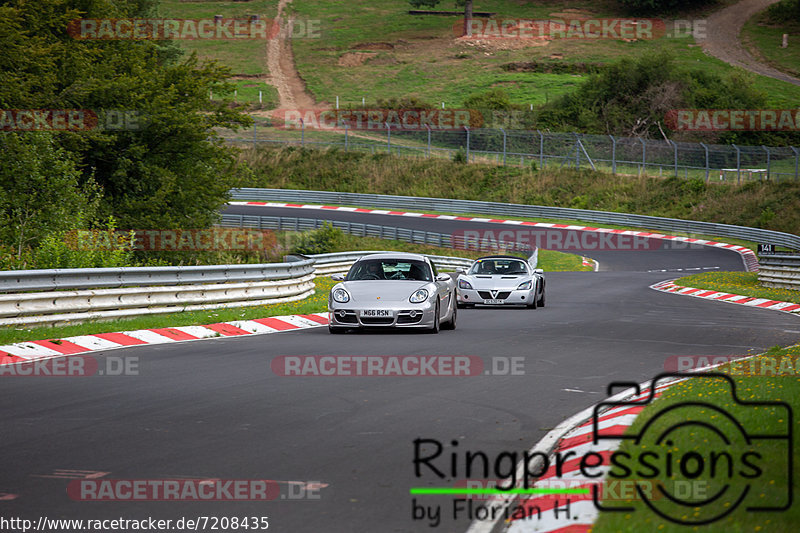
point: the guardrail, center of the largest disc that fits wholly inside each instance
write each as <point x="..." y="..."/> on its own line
<point x="780" y="271"/>
<point x="146" y="290"/>
<point x="448" y="205"/>
<point x="442" y="240"/>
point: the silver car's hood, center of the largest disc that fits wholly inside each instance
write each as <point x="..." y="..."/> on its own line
<point x="387" y="290"/>
<point x="485" y="281"/>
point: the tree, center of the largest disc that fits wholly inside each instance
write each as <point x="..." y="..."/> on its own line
<point x="467" y="10"/>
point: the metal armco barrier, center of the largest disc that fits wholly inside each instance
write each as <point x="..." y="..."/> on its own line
<point x="496" y="209"/>
<point x="780" y="271"/>
<point x="146" y="290"/>
<point x="337" y="263"/>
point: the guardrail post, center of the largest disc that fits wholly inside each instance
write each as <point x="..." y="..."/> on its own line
<point x="613" y="154"/>
<point x="388" y="137"/>
<point x="796" y="163"/>
<point x="768" y="160"/>
<point x="708" y="170"/>
<point x="675" y="147"/>
<point x="738" y="164"/>
<point x="504" y="146"/>
<point x="429" y="140"/>
<point x="541" y="148"/>
<point x="644" y="157"/>
<point x="467" y="128"/>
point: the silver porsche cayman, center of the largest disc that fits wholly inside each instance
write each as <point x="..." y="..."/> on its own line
<point x="501" y="280"/>
<point x="393" y="290"/>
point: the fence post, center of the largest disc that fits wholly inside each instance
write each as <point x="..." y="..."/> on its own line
<point x="613" y="154"/>
<point x="796" y="163"/>
<point x="738" y="164"/>
<point x="644" y="156"/>
<point x="429" y="140"/>
<point x="708" y="170"/>
<point x="255" y="133"/>
<point x="577" y="152"/>
<point x="675" y="147"/>
<point x="504" y="146"/>
<point x="345" y="137"/>
<point x="302" y="132"/>
<point x="467" y="128"/>
<point x="388" y="137"/>
<point x="541" y="149"/>
<point x="768" y="160"/>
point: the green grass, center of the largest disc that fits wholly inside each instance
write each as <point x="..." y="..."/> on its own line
<point x="764" y="39"/>
<point x="246" y="57"/>
<point x="745" y="283"/>
<point x="247" y="93"/>
<point x="768" y="489"/>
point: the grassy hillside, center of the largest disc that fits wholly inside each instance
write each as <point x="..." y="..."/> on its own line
<point x="767" y="205"/>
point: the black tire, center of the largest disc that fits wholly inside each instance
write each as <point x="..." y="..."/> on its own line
<point x="541" y="300"/>
<point x="436" y="326"/>
<point x="336" y="331"/>
<point x="451" y="324"/>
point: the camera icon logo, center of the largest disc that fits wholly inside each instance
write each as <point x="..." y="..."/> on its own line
<point x="706" y="457"/>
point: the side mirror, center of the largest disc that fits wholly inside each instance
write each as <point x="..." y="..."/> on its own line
<point x="338" y="277"/>
<point x="538" y="271"/>
<point x="461" y="270"/>
<point x="443" y="277"/>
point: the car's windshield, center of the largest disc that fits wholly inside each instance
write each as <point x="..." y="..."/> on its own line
<point x="498" y="267"/>
<point x="389" y="269"/>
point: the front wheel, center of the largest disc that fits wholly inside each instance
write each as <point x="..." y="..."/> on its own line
<point x="335" y="331"/>
<point x="534" y="302"/>
<point x="451" y="324"/>
<point x="541" y="300"/>
<point x="436" y="327"/>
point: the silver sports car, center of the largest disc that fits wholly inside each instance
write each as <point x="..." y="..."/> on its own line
<point x="501" y="280"/>
<point x="392" y="290"/>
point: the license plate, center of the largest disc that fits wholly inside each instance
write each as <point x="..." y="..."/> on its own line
<point x="493" y="302"/>
<point x="376" y="312"/>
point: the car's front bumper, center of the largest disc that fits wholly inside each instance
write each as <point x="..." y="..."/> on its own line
<point x="400" y="315"/>
<point x="502" y="296"/>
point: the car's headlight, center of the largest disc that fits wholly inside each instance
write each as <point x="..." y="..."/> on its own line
<point x="341" y="296"/>
<point x="464" y="284"/>
<point x="524" y="286"/>
<point x="419" y="296"/>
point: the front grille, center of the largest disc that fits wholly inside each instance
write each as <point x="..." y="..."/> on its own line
<point x="486" y="295"/>
<point x="377" y="321"/>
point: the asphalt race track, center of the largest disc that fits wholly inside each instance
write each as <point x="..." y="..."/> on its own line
<point x="215" y="409"/>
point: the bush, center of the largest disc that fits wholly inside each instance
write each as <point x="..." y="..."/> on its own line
<point x="661" y="6"/>
<point x="324" y="240"/>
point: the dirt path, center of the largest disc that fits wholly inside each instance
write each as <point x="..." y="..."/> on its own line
<point x="722" y="39"/>
<point x="283" y="76"/>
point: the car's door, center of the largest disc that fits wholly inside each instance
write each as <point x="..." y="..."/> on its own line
<point x="442" y="290"/>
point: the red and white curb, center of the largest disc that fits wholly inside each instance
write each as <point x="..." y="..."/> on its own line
<point x="574" y="435"/>
<point x="748" y="256"/>
<point x="589" y="262"/>
<point x="763" y="303"/>
<point x="22" y="352"/>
